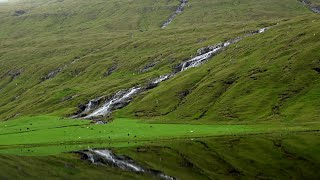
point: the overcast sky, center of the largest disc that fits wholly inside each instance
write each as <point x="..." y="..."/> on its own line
<point x="3" y="0"/>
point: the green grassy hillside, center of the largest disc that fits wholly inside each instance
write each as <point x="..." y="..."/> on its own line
<point x="250" y="112"/>
<point x="80" y="41"/>
<point x="271" y="76"/>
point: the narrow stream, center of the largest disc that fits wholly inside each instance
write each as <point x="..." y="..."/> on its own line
<point x="107" y="157"/>
<point x="124" y="97"/>
<point x="179" y="10"/>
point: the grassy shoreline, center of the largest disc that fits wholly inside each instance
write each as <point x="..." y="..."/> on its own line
<point x="48" y="131"/>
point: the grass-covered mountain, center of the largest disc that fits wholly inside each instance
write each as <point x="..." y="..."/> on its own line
<point x="250" y="112"/>
<point x="56" y="55"/>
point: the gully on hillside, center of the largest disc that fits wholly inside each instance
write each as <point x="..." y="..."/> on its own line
<point x="107" y="157"/>
<point x="178" y="11"/>
<point x="124" y="97"/>
<point x="55" y="72"/>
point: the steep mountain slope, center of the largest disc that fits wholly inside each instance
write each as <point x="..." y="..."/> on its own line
<point x="56" y="55"/>
<point x="274" y="75"/>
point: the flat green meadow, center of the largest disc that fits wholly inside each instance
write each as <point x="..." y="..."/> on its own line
<point x="58" y="132"/>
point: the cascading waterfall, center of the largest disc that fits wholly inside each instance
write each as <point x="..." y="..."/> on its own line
<point x="198" y="60"/>
<point x="161" y="78"/>
<point x="124" y="97"/>
<point x="121" y="99"/>
<point x="91" y="105"/>
<point x="210" y="51"/>
<point x="107" y="157"/>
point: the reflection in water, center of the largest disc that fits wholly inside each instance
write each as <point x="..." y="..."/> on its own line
<point x="274" y="156"/>
<point x="107" y="157"/>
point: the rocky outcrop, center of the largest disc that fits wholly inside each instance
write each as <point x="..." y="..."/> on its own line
<point x="51" y="74"/>
<point x="179" y="10"/>
<point x="107" y="157"/>
<point x="14" y="73"/>
<point x="112" y="69"/>
<point x="55" y="72"/>
<point x="19" y="12"/>
<point x="317" y="69"/>
<point x="308" y="4"/>
<point x="148" y="67"/>
<point x="315" y="9"/>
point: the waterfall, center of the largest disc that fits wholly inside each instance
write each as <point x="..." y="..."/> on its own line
<point x="107" y="157"/>
<point x="208" y="52"/>
<point x="198" y="60"/>
<point x="124" y="97"/>
<point x="121" y="99"/>
<point x="161" y="78"/>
